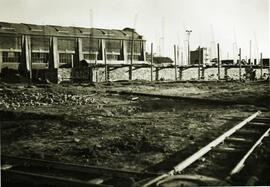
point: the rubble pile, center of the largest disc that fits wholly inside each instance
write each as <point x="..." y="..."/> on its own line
<point x="18" y="98"/>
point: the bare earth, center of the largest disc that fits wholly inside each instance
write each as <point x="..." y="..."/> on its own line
<point x="94" y="126"/>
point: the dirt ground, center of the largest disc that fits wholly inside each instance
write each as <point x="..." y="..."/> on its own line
<point x="97" y="125"/>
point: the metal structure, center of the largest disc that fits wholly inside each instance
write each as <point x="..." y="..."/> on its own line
<point x="242" y="139"/>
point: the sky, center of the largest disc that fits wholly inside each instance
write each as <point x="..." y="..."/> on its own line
<point x="231" y="23"/>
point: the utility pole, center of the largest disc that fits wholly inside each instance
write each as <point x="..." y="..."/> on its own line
<point x="218" y="60"/>
<point x="250" y="54"/>
<point x="162" y="36"/>
<point x="151" y="62"/>
<point x="132" y="48"/>
<point x="175" y="59"/>
<point x="199" y="63"/>
<point x="240" y="73"/>
<point x="261" y="64"/>
<point x="188" y="34"/>
<point x="106" y="67"/>
<point x="178" y="55"/>
<point x="131" y="60"/>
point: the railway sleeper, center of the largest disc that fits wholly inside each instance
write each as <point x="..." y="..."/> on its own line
<point x="238" y="140"/>
<point x="258" y="124"/>
<point x="229" y="150"/>
<point x="249" y="132"/>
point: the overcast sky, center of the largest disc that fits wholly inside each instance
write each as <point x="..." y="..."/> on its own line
<point x="223" y="21"/>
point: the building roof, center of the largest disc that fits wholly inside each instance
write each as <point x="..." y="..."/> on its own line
<point x="162" y="60"/>
<point x="54" y="30"/>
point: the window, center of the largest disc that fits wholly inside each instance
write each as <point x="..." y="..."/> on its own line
<point x="89" y="57"/>
<point x="113" y="46"/>
<point x="10" y="42"/>
<point x="90" y="44"/>
<point x="11" y="56"/>
<point x="66" y="58"/>
<point x="113" y="57"/>
<point x="137" y="47"/>
<point x="40" y="57"/>
<point x="40" y="43"/>
<point x="66" y="44"/>
<point x="135" y="57"/>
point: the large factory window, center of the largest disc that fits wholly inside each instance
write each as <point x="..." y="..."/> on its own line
<point x="40" y="57"/>
<point x="90" y="48"/>
<point x="66" y="59"/>
<point x="90" y="57"/>
<point x="66" y="44"/>
<point x="91" y="45"/>
<point x="135" y="57"/>
<point x="137" y="48"/>
<point x="40" y="43"/>
<point x="11" y="56"/>
<point x="113" y="49"/>
<point x="10" y="42"/>
<point x="40" y="49"/>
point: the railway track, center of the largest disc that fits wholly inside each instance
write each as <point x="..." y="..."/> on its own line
<point x="33" y="172"/>
<point x="221" y="161"/>
<point x="218" y="163"/>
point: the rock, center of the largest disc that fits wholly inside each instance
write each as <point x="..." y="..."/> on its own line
<point x="77" y="140"/>
<point x="71" y="132"/>
<point x="134" y="98"/>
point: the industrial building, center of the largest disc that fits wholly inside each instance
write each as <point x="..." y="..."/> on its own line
<point x="199" y="56"/>
<point x="48" y="51"/>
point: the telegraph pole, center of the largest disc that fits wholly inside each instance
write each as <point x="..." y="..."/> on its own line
<point x="188" y="34"/>
<point x="250" y="53"/>
<point x="151" y="62"/>
<point x="240" y="65"/>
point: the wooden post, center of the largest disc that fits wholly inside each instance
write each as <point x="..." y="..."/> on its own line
<point x="175" y="59"/>
<point x="218" y="53"/>
<point x="226" y="73"/>
<point x="1" y="61"/>
<point x="180" y="67"/>
<point x="106" y="67"/>
<point x="182" y="58"/>
<point x="157" y="73"/>
<point x="250" y="54"/>
<point x="26" y="55"/>
<point x="102" y="44"/>
<point x="54" y="57"/>
<point x="180" y="73"/>
<point x="199" y="63"/>
<point x="131" y="61"/>
<point x="240" y="65"/>
<point x="79" y="54"/>
<point x="95" y="68"/>
<point x="108" y="73"/>
<point x="178" y="59"/>
<point x="203" y="70"/>
<point x="261" y="64"/>
<point x="125" y="50"/>
<point x="151" y="62"/>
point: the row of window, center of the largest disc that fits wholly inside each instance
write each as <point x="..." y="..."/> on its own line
<point x="65" y="58"/>
<point x="69" y="44"/>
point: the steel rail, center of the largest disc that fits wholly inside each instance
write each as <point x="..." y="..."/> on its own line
<point x="197" y="155"/>
<point x="74" y="167"/>
<point x="28" y="177"/>
<point x="70" y="174"/>
<point x="241" y="163"/>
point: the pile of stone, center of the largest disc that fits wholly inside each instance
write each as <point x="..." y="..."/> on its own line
<point x="14" y="99"/>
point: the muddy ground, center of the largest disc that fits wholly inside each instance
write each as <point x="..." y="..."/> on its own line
<point x="106" y="126"/>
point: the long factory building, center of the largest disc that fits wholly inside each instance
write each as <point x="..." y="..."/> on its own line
<point x="29" y="47"/>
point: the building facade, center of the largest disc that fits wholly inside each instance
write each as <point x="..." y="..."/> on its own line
<point x="199" y="56"/>
<point x="28" y="47"/>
